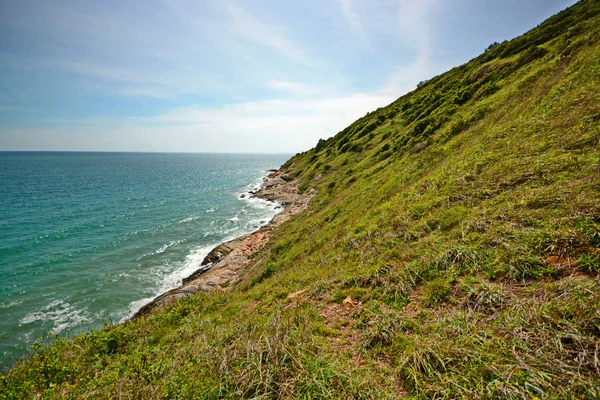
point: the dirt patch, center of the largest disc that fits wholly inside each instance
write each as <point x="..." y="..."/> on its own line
<point x="568" y="266"/>
<point x="341" y="317"/>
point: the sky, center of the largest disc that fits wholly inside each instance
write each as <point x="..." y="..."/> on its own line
<point x="266" y="76"/>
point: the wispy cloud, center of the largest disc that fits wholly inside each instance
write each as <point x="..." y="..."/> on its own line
<point x="206" y="75"/>
<point x="295" y="88"/>
<point x="415" y="23"/>
<point x="249" y="28"/>
<point x="353" y="20"/>
<point x="247" y="54"/>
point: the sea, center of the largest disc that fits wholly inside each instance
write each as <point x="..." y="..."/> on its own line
<point x="87" y="239"/>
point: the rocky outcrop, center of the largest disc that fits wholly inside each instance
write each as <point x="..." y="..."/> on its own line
<point x="212" y="258"/>
<point x="281" y="188"/>
<point x="225" y="262"/>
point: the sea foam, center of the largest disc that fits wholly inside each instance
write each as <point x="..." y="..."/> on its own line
<point x="167" y="278"/>
<point x="60" y="314"/>
<point x="78" y="255"/>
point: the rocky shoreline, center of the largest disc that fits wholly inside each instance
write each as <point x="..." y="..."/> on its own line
<point x="223" y="265"/>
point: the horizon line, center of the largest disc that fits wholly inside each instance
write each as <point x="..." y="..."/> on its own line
<point x="142" y="152"/>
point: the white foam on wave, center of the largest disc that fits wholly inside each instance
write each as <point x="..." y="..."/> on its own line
<point x="167" y="277"/>
<point x="166" y="246"/>
<point x="257" y="223"/>
<point x="266" y="209"/>
<point x="135" y="306"/>
<point x="252" y="188"/>
<point x="61" y="314"/>
<point x="247" y="195"/>
<point x="189" y="219"/>
<point x="257" y="202"/>
<point x="5" y="305"/>
<point x="161" y="249"/>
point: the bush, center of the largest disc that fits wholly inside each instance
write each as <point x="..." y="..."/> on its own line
<point x="463" y="95"/>
<point x="368" y="128"/>
<point x="486" y="90"/>
<point x="531" y="54"/>
<point x="321" y="144"/>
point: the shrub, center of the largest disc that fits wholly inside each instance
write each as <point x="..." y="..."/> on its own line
<point x="531" y="54"/>
<point x="321" y="144"/>
<point x="463" y="95"/>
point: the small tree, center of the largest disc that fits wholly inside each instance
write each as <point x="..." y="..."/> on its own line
<point x="321" y="144"/>
<point x="491" y="46"/>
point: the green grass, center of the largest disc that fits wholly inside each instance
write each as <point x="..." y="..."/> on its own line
<point x="464" y="221"/>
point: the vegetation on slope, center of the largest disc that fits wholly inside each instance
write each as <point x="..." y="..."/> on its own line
<point x="453" y="250"/>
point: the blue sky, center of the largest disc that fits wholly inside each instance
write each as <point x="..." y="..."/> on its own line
<point x="227" y="75"/>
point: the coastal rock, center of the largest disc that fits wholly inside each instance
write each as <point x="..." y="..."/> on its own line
<point x="218" y="253"/>
<point x="225" y="263"/>
<point x="197" y="273"/>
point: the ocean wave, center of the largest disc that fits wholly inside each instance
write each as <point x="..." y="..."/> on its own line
<point x="5" y="305"/>
<point x="257" y="212"/>
<point x="134" y="307"/>
<point x="247" y="195"/>
<point x="160" y="250"/>
<point x="189" y="219"/>
<point x="248" y="191"/>
<point x="257" y="202"/>
<point x="61" y="314"/>
<point x="166" y="246"/>
<point x="166" y="277"/>
<point x="257" y="223"/>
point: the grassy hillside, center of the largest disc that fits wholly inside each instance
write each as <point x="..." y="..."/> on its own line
<point x="452" y="250"/>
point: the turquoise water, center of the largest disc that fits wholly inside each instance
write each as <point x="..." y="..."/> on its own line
<point x="88" y="238"/>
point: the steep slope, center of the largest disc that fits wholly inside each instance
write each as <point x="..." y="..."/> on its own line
<point x="452" y="250"/>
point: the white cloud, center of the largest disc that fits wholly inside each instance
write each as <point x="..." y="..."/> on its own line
<point x="295" y="88"/>
<point x="247" y="27"/>
<point x="415" y="26"/>
<point x="405" y="78"/>
<point x="224" y="51"/>
<point x="282" y="125"/>
<point x="353" y="20"/>
<point x="278" y="125"/>
<point x="415" y="23"/>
